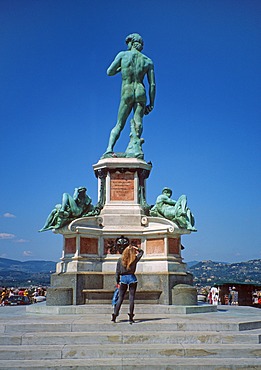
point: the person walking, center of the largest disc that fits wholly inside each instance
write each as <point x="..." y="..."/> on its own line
<point x="125" y="277"/>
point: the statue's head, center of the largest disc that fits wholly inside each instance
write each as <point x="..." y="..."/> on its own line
<point x="82" y="189"/>
<point x="134" y="40"/>
<point x="167" y="191"/>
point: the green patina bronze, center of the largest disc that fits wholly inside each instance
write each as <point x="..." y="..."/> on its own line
<point x="134" y="66"/>
<point x="72" y="207"/>
<point x="176" y="211"/>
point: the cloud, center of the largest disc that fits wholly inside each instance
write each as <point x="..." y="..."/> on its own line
<point x="20" y="241"/>
<point x="9" y="215"/>
<point x="6" y="236"/>
<point x="27" y="253"/>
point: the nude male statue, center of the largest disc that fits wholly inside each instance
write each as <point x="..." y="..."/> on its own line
<point x="133" y="66"/>
<point x="176" y="211"/>
<point x="78" y="205"/>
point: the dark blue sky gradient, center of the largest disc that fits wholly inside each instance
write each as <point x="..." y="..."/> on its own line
<point x="58" y="107"/>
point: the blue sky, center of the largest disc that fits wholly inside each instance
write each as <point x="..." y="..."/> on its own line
<point x="57" y="107"/>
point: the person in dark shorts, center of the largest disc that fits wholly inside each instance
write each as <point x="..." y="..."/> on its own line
<point x="125" y="277"/>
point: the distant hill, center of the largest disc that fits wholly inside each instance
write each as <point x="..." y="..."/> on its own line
<point x="17" y="273"/>
<point x="209" y="272"/>
<point x="191" y="263"/>
<point x="27" y="266"/>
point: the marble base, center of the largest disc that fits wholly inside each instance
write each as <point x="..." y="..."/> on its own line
<point x="87" y="261"/>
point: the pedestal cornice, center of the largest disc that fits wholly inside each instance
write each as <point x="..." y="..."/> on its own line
<point x="118" y="163"/>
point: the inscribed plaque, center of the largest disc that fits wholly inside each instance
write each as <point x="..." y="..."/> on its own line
<point x="122" y="186"/>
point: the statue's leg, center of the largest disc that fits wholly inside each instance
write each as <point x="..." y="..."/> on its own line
<point x="139" y="109"/>
<point x="182" y="201"/>
<point x="190" y="217"/>
<point x="68" y="204"/>
<point x="124" y="111"/>
<point x="49" y="221"/>
<point x="185" y="210"/>
<point x="65" y="201"/>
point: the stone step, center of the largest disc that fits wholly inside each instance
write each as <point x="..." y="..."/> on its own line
<point x="107" y="309"/>
<point x="117" y="337"/>
<point x="143" y="364"/>
<point x="146" y="323"/>
<point x="130" y="351"/>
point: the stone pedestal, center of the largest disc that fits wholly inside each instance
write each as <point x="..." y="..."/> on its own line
<point x="184" y="295"/>
<point x="88" y="261"/>
<point x="59" y="296"/>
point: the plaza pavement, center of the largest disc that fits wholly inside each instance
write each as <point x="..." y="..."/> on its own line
<point x="163" y="337"/>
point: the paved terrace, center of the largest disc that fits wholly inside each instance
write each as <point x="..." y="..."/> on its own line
<point x="85" y="338"/>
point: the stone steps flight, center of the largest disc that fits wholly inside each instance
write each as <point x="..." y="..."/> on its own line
<point x="143" y="364"/>
<point x="117" y="337"/>
<point x="141" y="350"/>
<point x="228" y="339"/>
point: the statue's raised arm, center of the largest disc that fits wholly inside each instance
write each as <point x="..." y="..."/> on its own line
<point x="134" y="66"/>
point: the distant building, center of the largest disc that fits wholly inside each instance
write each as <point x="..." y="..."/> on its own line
<point x="245" y="292"/>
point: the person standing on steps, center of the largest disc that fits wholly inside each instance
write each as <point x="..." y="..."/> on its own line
<point x="125" y="277"/>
